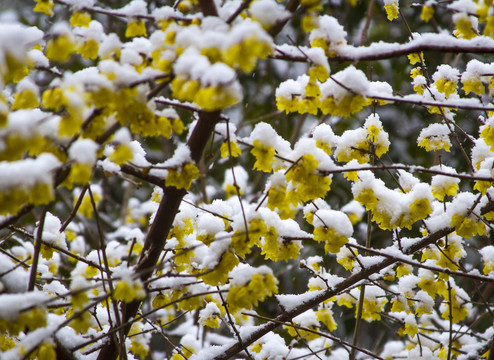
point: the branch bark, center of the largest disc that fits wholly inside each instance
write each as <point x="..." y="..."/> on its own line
<point x="383" y="51"/>
<point x="342" y="286"/>
<point x="162" y="224"/>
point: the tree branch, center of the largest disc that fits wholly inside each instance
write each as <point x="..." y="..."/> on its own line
<point x="162" y="224"/>
<point x="322" y="296"/>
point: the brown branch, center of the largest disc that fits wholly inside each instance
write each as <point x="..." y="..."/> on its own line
<point x="208" y="7"/>
<point x="162" y="224"/>
<point x="322" y="296"/>
<point x="276" y="29"/>
<point x="398" y="51"/>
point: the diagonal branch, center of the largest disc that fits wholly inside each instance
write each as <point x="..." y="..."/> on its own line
<point x="322" y="296"/>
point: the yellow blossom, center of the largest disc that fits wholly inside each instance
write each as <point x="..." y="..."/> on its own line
<point x="136" y="28"/>
<point x="447" y="87"/>
<point x="60" y="48"/>
<point x="182" y="177"/>
<point x="333" y="240"/>
<point x="415" y="58"/>
<point x="228" y="148"/>
<point x="121" y="155"/>
<point x="128" y="290"/>
<point x="426" y="13"/>
<point x="464" y="27"/>
<point x="391" y="10"/>
<point x="257" y="289"/>
<point x="44" y="7"/>
<point x="80" y="18"/>
<point x="264" y="156"/>
<point x="467" y="227"/>
<point x="215" y="98"/>
<point x="473" y="84"/>
<point x="25" y="100"/>
<point x="89" y="49"/>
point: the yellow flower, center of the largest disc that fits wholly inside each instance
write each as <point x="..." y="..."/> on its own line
<point x="182" y="177"/>
<point x="391" y="10"/>
<point x="447" y="87"/>
<point x="309" y="23"/>
<point x="89" y="49"/>
<point x="60" y="48"/>
<point x="489" y="27"/>
<point x="220" y="272"/>
<point x="160" y="301"/>
<point x="312" y="4"/>
<point x="454" y="307"/>
<point x="488" y="267"/>
<point x="128" y="290"/>
<point x="234" y="149"/>
<point x="139" y="349"/>
<point x="372" y="307"/>
<point x="44" y="7"/>
<point x="257" y="289"/>
<point x="318" y="72"/>
<point x="420" y="208"/>
<point x="427" y="13"/>
<point x="215" y="98"/>
<point x="121" y="155"/>
<point x="434" y="143"/>
<point x="333" y="241"/>
<point x="80" y="18"/>
<point x="482" y="186"/>
<point x="326" y="317"/>
<point x="464" y="27"/>
<point x="467" y="227"/>
<point x="80" y="173"/>
<point x="367" y="198"/>
<point x="136" y="28"/>
<point x="472" y="84"/>
<point x="415" y="58"/>
<point x="403" y="269"/>
<point x="46" y="352"/>
<point x="25" y="100"/>
<point x="416" y="72"/>
<point x="244" y="55"/>
<point x="264" y="156"/>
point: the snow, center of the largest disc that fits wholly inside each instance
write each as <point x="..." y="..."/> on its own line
<point x="306" y="146"/>
<point x="446" y="72"/>
<point x="487" y="253"/>
<point x="334" y="219"/>
<point x="84" y="151"/>
<point x="134" y="8"/>
<point x="268" y="12"/>
<point x="218" y="74"/>
<point x="242" y="273"/>
<point x="289" y="88"/>
<point x="79" y="4"/>
<point x="289" y="302"/>
<point x="13" y="280"/>
<point x="330" y="30"/>
<point x="16" y="40"/>
<point x="267" y="136"/>
<point x="350" y="78"/>
<point x="324" y="133"/>
<point x="164" y="13"/>
<point x="51" y="234"/>
<point x="28" y="123"/>
<point x="27" y="84"/>
<point x="11" y="305"/>
<point x="247" y="29"/>
<point x="180" y="157"/>
<point x="27" y="173"/>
